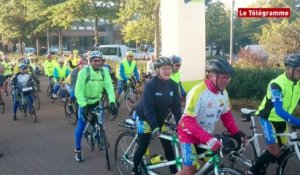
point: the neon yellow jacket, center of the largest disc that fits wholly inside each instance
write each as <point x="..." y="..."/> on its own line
<point x="49" y="67"/>
<point x="90" y="92"/>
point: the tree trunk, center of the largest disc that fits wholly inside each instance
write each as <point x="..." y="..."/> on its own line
<point x="20" y="47"/>
<point x="60" y="42"/>
<point x="96" y="32"/>
<point x="37" y="44"/>
<point x="157" y="30"/>
<point x="48" y="39"/>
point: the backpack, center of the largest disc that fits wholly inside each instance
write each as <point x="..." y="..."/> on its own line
<point x="88" y="74"/>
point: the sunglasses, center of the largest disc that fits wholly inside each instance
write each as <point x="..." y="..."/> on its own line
<point x="177" y="65"/>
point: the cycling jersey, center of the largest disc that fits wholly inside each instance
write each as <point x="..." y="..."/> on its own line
<point x="284" y="91"/>
<point x="205" y="106"/>
<point x="177" y="78"/>
<point x="159" y="97"/>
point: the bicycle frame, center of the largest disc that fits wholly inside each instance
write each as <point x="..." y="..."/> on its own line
<point x="292" y="142"/>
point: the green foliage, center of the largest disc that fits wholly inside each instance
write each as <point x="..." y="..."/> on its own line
<point x="251" y="83"/>
<point x="280" y="39"/>
<point x="138" y="20"/>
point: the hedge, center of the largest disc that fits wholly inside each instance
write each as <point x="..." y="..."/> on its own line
<point x="251" y="83"/>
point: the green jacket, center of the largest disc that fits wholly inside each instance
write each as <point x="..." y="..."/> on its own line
<point x="90" y="92"/>
<point x="290" y="96"/>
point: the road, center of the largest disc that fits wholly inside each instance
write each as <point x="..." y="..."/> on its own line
<point x="47" y="147"/>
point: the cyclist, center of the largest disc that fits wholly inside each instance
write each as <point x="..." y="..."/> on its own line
<point x="49" y="65"/>
<point x="72" y="77"/>
<point x="91" y="82"/>
<point x="7" y="73"/>
<point x="159" y="97"/>
<point x="32" y="71"/>
<point x="20" y="80"/>
<point x="73" y="59"/>
<point x="127" y="69"/>
<point x="207" y="102"/>
<point x="2" y="77"/>
<point x="150" y="67"/>
<point x="60" y="73"/>
<point x="176" y="75"/>
<point x="276" y="110"/>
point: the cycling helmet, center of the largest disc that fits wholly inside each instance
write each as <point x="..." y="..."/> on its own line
<point x="219" y="66"/>
<point x="129" y="53"/>
<point x="23" y="66"/>
<point x="176" y="59"/>
<point x="162" y="61"/>
<point x="292" y="60"/>
<point x="26" y="61"/>
<point x="96" y="54"/>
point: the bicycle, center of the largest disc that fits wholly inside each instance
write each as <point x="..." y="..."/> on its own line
<point x="287" y="151"/>
<point x="108" y="112"/>
<point x="94" y="131"/>
<point x="130" y="94"/>
<point x="71" y="111"/>
<point x="2" y="104"/>
<point x="26" y="105"/>
<point x="126" y="145"/>
<point x="61" y="92"/>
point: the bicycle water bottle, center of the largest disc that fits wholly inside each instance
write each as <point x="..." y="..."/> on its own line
<point x="155" y="159"/>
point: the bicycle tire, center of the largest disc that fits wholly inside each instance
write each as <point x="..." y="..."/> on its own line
<point x="225" y="171"/>
<point x="131" y="99"/>
<point x="289" y="165"/>
<point x="124" y="166"/>
<point x="71" y="116"/>
<point x="107" y="111"/>
<point x="105" y="143"/>
<point x="90" y="140"/>
<point x="31" y="111"/>
<point x="248" y="155"/>
<point x="2" y="105"/>
<point x="37" y="102"/>
<point x="49" y="94"/>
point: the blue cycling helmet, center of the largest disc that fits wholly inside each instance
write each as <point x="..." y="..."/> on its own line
<point x="23" y="66"/>
<point x="292" y="60"/>
<point x="176" y="59"/>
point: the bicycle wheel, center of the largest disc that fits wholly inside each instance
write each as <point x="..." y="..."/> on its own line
<point x="89" y="139"/>
<point x="289" y="165"/>
<point x="131" y="99"/>
<point x="123" y="154"/>
<point x="103" y="144"/>
<point x="71" y="112"/>
<point x="31" y="111"/>
<point x="107" y="111"/>
<point x="243" y="160"/>
<point x="225" y="171"/>
<point x="2" y="105"/>
<point x="36" y="101"/>
<point x="49" y="94"/>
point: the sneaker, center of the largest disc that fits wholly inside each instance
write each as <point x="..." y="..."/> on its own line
<point x="78" y="156"/>
<point x="54" y="96"/>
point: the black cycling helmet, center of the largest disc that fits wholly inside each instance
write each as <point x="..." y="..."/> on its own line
<point x="219" y="66"/>
<point x="96" y="54"/>
<point x="176" y="59"/>
<point x="162" y="61"/>
<point x="292" y="60"/>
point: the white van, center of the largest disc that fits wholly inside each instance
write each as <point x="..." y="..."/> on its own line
<point x="113" y="52"/>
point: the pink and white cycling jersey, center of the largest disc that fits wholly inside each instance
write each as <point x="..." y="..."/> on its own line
<point x="205" y="106"/>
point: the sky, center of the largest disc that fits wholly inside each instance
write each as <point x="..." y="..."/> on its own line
<point x="238" y="3"/>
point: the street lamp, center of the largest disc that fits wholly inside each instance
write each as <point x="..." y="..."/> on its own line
<point x="231" y="32"/>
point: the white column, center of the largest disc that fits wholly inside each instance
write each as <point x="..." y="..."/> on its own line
<point x="183" y="34"/>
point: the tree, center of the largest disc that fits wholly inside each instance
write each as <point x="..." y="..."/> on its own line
<point x="138" y="20"/>
<point x="280" y="39"/>
<point x="217" y="24"/>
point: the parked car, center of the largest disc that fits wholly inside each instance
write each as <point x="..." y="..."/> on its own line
<point x="113" y="52"/>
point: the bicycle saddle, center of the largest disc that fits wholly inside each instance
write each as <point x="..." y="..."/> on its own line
<point x="247" y="113"/>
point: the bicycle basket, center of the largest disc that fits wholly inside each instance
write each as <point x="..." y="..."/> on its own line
<point x="228" y="145"/>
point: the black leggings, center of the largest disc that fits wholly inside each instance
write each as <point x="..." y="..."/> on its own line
<point x="143" y="143"/>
